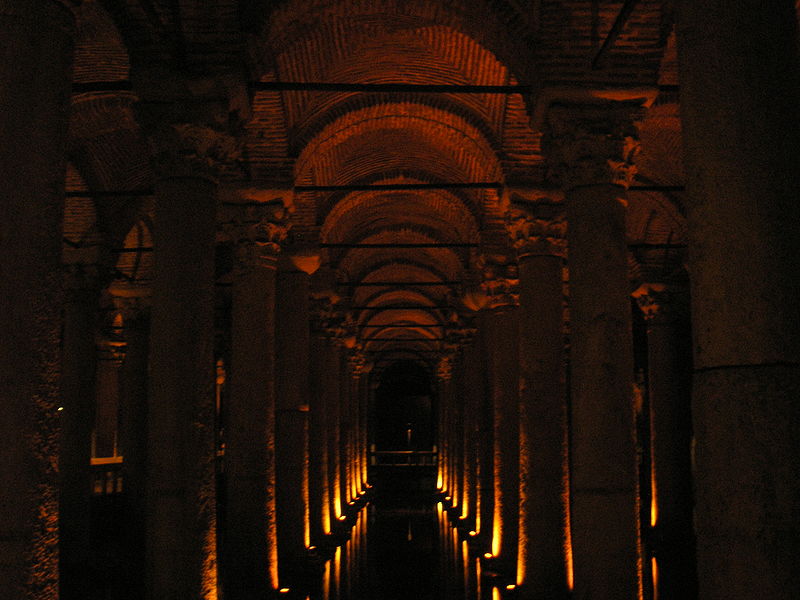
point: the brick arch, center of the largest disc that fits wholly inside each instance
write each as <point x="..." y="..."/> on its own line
<point x="500" y="26"/>
<point x="382" y="137"/>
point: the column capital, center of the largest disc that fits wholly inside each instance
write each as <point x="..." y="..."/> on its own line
<point x="358" y="363"/>
<point x="592" y="144"/>
<point x="444" y="367"/>
<point x="500" y="281"/>
<point x="659" y="302"/>
<point x="191" y="150"/>
<point x="132" y="301"/>
<point x="80" y="278"/>
<point x="534" y="235"/>
<point x="258" y="233"/>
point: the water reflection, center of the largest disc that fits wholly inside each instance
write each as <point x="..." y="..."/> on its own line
<point x="403" y="546"/>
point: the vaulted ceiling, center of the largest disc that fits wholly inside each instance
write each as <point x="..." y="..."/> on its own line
<point x="401" y="186"/>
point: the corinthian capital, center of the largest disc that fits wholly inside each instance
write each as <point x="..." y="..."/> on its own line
<point x="500" y="281"/>
<point x="257" y="233"/>
<point x="532" y="235"/>
<point x="592" y="144"/>
<point x="191" y="150"/>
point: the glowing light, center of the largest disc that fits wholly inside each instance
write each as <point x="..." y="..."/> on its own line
<point x="284" y="590"/>
<point x="495" y="594"/>
<point x="60" y="409"/>
<point x="511" y="586"/>
<point x="312" y="547"/>
<point x="447" y="498"/>
<point x="473" y="533"/>
<point x="488" y="555"/>
<point x="342" y="517"/>
<point x="654" y="570"/>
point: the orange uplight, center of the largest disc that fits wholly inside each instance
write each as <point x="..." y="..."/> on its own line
<point x="473" y="533"/>
<point x="654" y="570"/>
<point x="284" y="590"/>
<point x="488" y="555"/>
<point x="495" y="594"/>
<point x="511" y="586"/>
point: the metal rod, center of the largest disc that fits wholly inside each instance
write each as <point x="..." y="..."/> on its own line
<point x="122" y="85"/>
<point x="108" y="193"/>
<point x="402" y="306"/>
<point x="368" y="187"/>
<point x="427" y="88"/>
<point x="656" y="188"/>
<point x="385" y="283"/>
<point x="403" y="245"/>
<point x="405" y="326"/>
<point x="656" y="246"/>
<point x="614" y="32"/>
<point x="417" y="339"/>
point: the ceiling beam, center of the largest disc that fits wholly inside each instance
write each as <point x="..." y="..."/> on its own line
<point x="399" y="187"/>
<point x="383" y="88"/>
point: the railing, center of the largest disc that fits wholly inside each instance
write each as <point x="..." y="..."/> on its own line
<point x="107" y="476"/>
<point x="403" y="458"/>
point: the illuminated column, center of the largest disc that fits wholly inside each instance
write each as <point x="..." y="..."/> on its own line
<point x="322" y="495"/>
<point x="485" y="437"/>
<point x="181" y="445"/>
<point x="363" y="407"/>
<point x="292" y="392"/>
<point x="541" y="247"/>
<point x="591" y="148"/>
<point x="501" y="322"/>
<point x="356" y="364"/>
<point x="34" y="106"/>
<point x="740" y="93"/>
<point x="344" y="426"/>
<point x="473" y="392"/>
<point x="133" y="303"/>
<point x="444" y="374"/>
<point x="79" y="367"/>
<point x="250" y="554"/>
<point x="333" y="382"/>
<point x="669" y="383"/>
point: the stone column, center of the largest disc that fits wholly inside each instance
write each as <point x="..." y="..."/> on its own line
<point x="37" y="40"/>
<point x="485" y="437"/>
<point x="740" y="93"/>
<point x="669" y="392"/>
<point x="181" y="452"/>
<point x="133" y="303"/>
<point x="344" y="428"/>
<point x="539" y="239"/>
<point x="250" y="553"/>
<point x="356" y="365"/>
<point x="333" y="382"/>
<point x="292" y="392"/>
<point x="444" y="375"/>
<point x="590" y="148"/>
<point x="323" y="393"/>
<point x="473" y="393"/>
<point x="79" y="367"/>
<point x="501" y="322"/>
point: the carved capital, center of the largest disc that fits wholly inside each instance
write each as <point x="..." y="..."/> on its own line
<point x="83" y="278"/>
<point x="659" y="302"/>
<point x="357" y="362"/>
<point x="257" y="233"/>
<point x="444" y="368"/>
<point x="325" y="319"/>
<point x="592" y="144"/>
<point x="535" y="236"/>
<point x="191" y="150"/>
<point x="131" y="301"/>
<point x="500" y="281"/>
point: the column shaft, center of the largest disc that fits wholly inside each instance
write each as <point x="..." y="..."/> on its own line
<point x="35" y="61"/>
<point x="740" y="93"/>
<point x="133" y="444"/>
<point x="250" y="543"/>
<point x="604" y="480"/>
<point x="292" y="395"/>
<point x="318" y="489"/>
<point x="181" y="540"/>
<point x="543" y="429"/>
<point x="502" y="334"/>
<point x="79" y="368"/>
